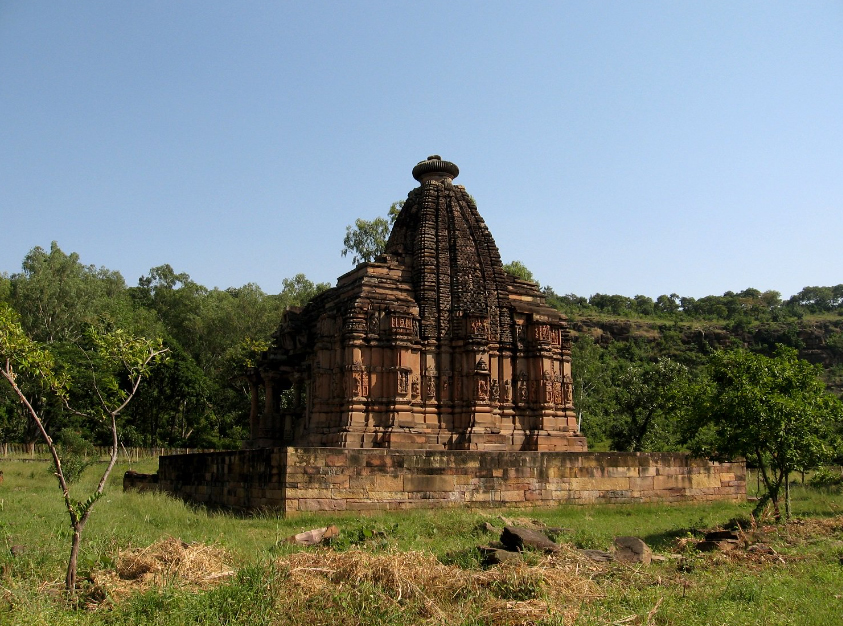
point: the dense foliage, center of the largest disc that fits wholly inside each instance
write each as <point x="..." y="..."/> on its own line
<point x="636" y="361"/>
<point x="197" y="398"/>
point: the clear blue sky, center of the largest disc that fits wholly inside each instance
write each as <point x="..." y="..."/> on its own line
<point x="629" y="147"/>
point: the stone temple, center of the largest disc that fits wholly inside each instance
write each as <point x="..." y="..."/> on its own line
<point x="432" y="346"/>
<point x="430" y="378"/>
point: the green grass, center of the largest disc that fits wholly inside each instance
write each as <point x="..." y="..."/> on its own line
<point x="803" y="587"/>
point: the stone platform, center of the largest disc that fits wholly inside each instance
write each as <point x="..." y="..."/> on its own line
<point x="294" y="480"/>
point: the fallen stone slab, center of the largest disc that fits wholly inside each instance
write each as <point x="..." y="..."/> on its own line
<point x="598" y="555"/>
<point x="516" y="539"/>
<point x="314" y="537"/>
<point x="632" y="550"/>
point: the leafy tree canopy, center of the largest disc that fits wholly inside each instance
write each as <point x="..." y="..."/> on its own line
<point x="366" y="240"/>
<point x="773" y="410"/>
<point x="519" y="270"/>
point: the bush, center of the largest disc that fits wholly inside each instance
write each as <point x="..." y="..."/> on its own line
<point x="76" y="454"/>
<point x="827" y="478"/>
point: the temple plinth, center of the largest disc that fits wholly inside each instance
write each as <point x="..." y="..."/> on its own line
<point x="432" y="346"/>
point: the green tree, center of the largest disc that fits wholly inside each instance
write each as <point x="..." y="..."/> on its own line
<point x="58" y="299"/>
<point x="119" y="361"/>
<point x="592" y="387"/>
<point x="650" y="399"/>
<point x="519" y="270"/>
<point x="366" y="240"/>
<point x="772" y="410"/>
<point x="300" y="290"/>
<point x="57" y="296"/>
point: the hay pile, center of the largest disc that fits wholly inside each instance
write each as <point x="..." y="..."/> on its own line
<point x="169" y="561"/>
<point x="510" y="593"/>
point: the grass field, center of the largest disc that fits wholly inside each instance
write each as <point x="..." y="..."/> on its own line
<point x="407" y="568"/>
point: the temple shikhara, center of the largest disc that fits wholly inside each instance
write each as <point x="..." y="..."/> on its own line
<point x="432" y="346"/>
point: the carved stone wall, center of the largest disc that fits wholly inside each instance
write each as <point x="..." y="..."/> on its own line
<point x="433" y="346"/>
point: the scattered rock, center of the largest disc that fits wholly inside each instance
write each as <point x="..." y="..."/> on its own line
<point x="598" y="555"/>
<point x="516" y="539"/>
<point x="17" y="550"/>
<point x="490" y="528"/>
<point x="632" y="550"/>
<point x="315" y="536"/>
<point x="722" y="535"/>
<point x="659" y="558"/>
<point x="495" y="556"/>
<point x="135" y="481"/>
<point x="712" y="546"/>
<point x="761" y="548"/>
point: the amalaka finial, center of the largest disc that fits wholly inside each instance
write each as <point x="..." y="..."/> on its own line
<point x="434" y="168"/>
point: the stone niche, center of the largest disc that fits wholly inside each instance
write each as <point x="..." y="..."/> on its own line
<point x="432" y="346"/>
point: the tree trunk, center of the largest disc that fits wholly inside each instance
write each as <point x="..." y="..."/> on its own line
<point x="70" y="579"/>
<point x="787" y="496"/>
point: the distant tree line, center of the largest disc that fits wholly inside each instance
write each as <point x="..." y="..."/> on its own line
<point x="749" y="304"/>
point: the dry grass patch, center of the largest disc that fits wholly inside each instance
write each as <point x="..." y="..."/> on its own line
<point x="169" y="561"/>
<point x="509" y="594"/>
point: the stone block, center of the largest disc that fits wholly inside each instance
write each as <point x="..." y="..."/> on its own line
<point x="428" y="483"/>
<point x="703" y="481"/>
<point x="363" y="505"/>
<point x="309" y="493"/>
<point x="599" y="484"/>
<point x="642" y="484"/>
<point x="389" y="483"/>
<point x="379" y="460"/>
<point x="671" y="481"/>
<point x="321" y="504"/>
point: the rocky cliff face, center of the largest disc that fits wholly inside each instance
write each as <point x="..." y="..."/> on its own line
<point x="818" y="340"/>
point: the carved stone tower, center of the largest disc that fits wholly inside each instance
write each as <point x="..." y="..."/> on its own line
<point x="431" y="346"/>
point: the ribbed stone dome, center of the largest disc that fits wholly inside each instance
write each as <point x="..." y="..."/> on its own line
<point x="456" y="266"/>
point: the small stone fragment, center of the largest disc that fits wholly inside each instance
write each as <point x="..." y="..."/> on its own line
<point x="632" y="550"/>
<point x="495" y="556"/>
<point x="761" y="548"/>
<point x="314" y="537"/>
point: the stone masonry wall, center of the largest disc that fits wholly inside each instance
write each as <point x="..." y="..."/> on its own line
<point x="337" y="479"/>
